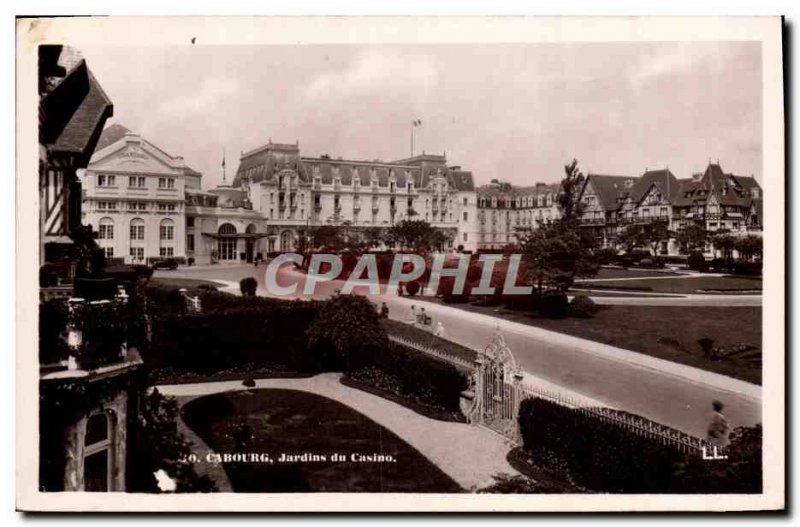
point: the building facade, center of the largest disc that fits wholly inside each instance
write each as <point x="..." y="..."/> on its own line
<point x="293" y="193"/>
<point x="506" y="212"/>
<point x="135" y="198"/>
<point x="712" y="199"/>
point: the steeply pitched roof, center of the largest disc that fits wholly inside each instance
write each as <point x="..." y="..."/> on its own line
<point x="263" y="163"/>
<point x="81" y="130"/>
<point x="610" y="189"/>
<point x="663" y="179"/>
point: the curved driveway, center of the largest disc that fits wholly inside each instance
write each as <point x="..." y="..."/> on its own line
<point x="676" y="395"/>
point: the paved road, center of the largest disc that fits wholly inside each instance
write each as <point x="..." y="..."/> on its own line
<point x="576" y="364"/>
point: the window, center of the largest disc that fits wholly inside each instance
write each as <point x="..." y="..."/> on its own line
<point x="165" y="252"/>
<point x="465" y="236"/>
<point x="190" y="242"/>
<point x="166" y="207"/>
<point x="166" y="230"/>
<point x="137" y="253"/>
<point x="466" y="202"/>
<point x="166" y="183"/>
<point x="190" y="221"/>
<point x="136" y="181"/>
<point x="137" y="229"/>
<point x="98" y="457"/>
<point x="106" y="181"/>
<point x="465" y="215"/>
<point x="106" y="229"/>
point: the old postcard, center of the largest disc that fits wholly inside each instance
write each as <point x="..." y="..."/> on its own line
<point x="400" y="264"/>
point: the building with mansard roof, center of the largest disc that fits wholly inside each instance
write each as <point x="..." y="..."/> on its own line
<point x="506" y="212"/>
<point x="294" y="192"/>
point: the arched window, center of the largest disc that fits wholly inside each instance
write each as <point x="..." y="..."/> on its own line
<point x="98" y="454"/>
<point x="226" y="246"/>
<point x="105" y="229"/>
<point x="251" y="229"/>
<point x="227" y="228"/>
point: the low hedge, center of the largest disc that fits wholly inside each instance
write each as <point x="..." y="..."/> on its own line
<point x="604" y="457"/>
<point x="243" y="337"/>
<point x="598" y="455"/>
<point x="408" y="373"/>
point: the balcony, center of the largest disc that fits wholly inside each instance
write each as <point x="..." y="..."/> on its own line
<point x="317" y="207"/>
<point x="593" y="221"/>
<point x="95" y="337"/>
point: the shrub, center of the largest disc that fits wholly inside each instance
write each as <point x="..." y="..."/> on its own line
<point x="408" y="373"/>
<point x="552" y="304"/>
<point x="605" y="255"/>
<point x="521" y="302"/>
<point x="248" y="286"/>
<point x="748" y="268"/>
<point x="707" y="345"/>
<point x="597" y="454"/>
<point x="697" y="262"/>
<point x="249" y="382"/>
<point x="190" y="261"/>
<point x="159" y="445"/>
<point x="646" y="262"/>
<point x="345" y="324"/>
<point x="412" y="288"/>
<point x="582" y="307"/>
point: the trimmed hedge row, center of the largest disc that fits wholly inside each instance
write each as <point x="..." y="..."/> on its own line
<point x="598" y="455"/>
<point x="247" y="336"/>
<point x="604" y="457"/>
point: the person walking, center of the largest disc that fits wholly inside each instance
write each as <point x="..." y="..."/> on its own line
<point x="439" y="330"/>
<point x="384" y="310"/>
<point x="718" y="428"/>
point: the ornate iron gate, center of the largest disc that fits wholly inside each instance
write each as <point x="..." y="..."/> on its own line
<point x="495" y="383"/>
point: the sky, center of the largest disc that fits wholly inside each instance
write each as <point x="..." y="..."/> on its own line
<point x="514" y="112"/>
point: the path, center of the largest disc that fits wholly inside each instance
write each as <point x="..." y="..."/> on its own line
<point x="470" y="455"/>
<point x="213" y="471"/>
<point x="666" y="392"/>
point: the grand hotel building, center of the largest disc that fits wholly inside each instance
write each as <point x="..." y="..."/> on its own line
<point x="147" y="204"/>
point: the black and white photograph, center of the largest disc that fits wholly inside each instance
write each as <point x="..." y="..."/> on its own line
<point x="358" y="263"/>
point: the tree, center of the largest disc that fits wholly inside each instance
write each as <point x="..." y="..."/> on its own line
<point x="373" y="236"/>
<point x="692" y="238"/>
<point x="327" y="237"/>
<point x="725" y="243"/>
<point x="568" y="202"/>
<point x="557" y="252"/>
<point x="649" y="236"/>
<point x="750" y="247"/>
<point x="417" y="235"/>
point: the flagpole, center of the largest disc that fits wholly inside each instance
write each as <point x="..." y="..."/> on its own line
<point x="412" y="138"/>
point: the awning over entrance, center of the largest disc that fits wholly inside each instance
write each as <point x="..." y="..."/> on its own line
<point x="237" y="235"/>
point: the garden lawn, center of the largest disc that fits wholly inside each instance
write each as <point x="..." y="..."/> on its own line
<point x="667" y="332"/>
<point x="294" y="423"/>
<point x="618" y="272"/>
<point x="688" y="285"/>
